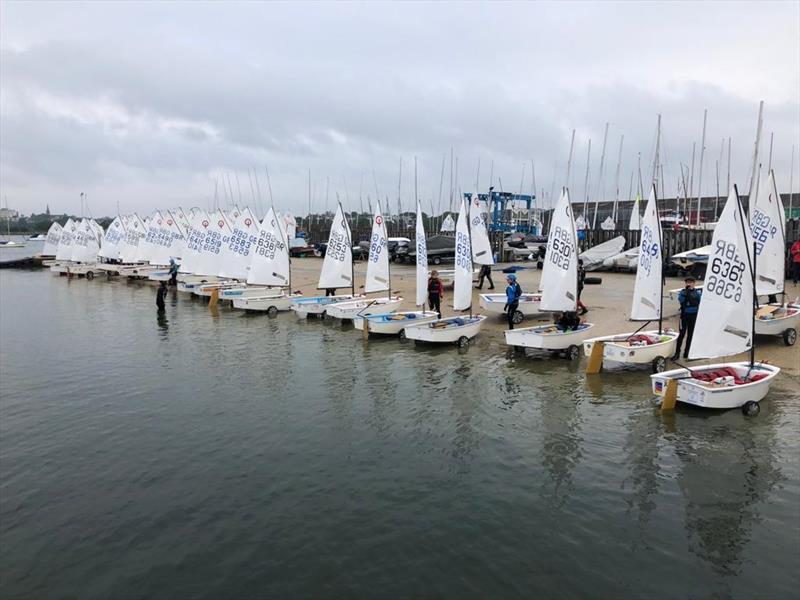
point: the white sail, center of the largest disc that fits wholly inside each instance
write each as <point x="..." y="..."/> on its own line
<point x="422" y="259"/>
<point x="270" y="256"/>
<point x="766" y="229"/>
<point x="608" y="224"/>
<point x="195" y="239"/>
<point x="481" y="247"/>
<point x="725" y="316"/>
<point x="211" y="254"/>
<point x="337" y="268"/>
<point x="462" y="282"/>
<point x="378" y="261"/>
<point x="239" y="250"/>
<point x="448" y="224"/>
<point x="146" y="244"/>
<point x="87" y="243"/>
<point x="113" y="239"/>
<point x="289" y="226"/>
<point x="559" y="282"/>
<point x="134" y="233"/>
<point x="636" y="219"/>
<point x="168" y="241"/>
<point x="648" y="288"/>
<point x="53" y="238"/>
<point x="64" y="250"/>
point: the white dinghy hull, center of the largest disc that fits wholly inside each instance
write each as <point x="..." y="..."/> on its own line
<point x="450" y="330"/>
<point x="547" y="337"/>
<point x="269" y="304"/>
<point x="617" y="349"/>
<point x="494" y="304"/>
<point x="317" y="305"/>
<point x="207" y="289"/>
<point x="723" y="395"/>
<point x="363" y="307"/>
<point x="394" y="323"/>
<point x="789" y="319"/>
<point x="250" y="291"/>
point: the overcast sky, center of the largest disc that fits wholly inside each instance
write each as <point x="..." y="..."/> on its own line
<point x="149" y="104"/>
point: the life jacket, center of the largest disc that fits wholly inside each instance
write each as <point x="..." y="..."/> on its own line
<point x="434" y="286"/>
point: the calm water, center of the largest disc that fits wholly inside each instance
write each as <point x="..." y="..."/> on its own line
<point x="210" y="456"/>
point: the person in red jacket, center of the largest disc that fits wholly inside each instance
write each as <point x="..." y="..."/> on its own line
<point x="795" y="252"/>
<point x="435" y="292"/>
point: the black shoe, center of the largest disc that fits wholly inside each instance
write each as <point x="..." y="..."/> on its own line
<point x="686" y="356"/>
<point x="583" y="311"/>
<point x="491" y="288"/>
<point x="676" y="356"/>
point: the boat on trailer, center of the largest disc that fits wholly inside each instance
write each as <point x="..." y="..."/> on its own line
<point x="270" y="304"/>
<point x="393" y="323"/>
<point x="459" y="329"/>
<point x="559" y="285"/>
<point x="640" y="347"/>
<point x="725" y="326"/>
<point x="779" y="320"/>
<point x="551" y="338"/>
<point x="317" y="305"/>
<point x="495" y="304"/>
<point x="450" y="330"/>
<point x="767" y="231"/>
<point x="721" y="386"/>
<point x="350" y="309"/>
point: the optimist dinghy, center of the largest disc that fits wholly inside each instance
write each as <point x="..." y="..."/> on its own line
<point x="724" y="327"/>
<point x="396" y="323"/>
<point x="641" y="347"/>
<point x="393" y="323"/>
<point x="378" y="278"/>
<point x="458" y="330"/>
<point x="559" y="285"/>
<point x="316" y="305"/>
<point x="494" y="304"/>
<point x="270" y="266"/>
<point x="767" y="232"/>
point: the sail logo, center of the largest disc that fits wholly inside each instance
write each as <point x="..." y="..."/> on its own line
<point x="248" y="221"/>
<point x="205" y="223"/>
<point x="378" y="220"/>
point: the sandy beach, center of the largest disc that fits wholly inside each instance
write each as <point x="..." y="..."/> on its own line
<point x="609" y="304"/>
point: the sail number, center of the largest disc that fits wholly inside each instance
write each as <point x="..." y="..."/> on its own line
<point x="377" y="244"/>
<point x="337" y="246"/>
<point x="648" y="250"/>
<point x="727" y="271"/>
<point x="463" y="259"/>
<point x="560" y="251"/>
<point x="762" y="229"/>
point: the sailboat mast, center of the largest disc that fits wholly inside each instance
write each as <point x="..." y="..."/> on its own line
<point x="586" y="182"/>
<point x="600" y="178"/>
<point x="661" y="253"/>
<point x="569" y="159"/>
<point x="700" y="169"/>
<point x="616" y="181"/>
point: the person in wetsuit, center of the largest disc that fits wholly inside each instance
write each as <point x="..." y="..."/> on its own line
<point x="689" y="299"/>
<point x="568" y="321"/>
<point x="485" y="273"/>
<point x="435" y="292"/>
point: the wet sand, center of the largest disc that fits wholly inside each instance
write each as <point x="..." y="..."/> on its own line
<point x="609" y="304"/>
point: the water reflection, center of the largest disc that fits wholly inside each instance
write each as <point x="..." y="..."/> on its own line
<point x="726" y="470"/>
<point x="163" y="323"/>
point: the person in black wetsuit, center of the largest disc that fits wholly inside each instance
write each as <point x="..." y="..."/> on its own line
<point x="485" y="273"/>
<point x="162" y="291"/>
<point x="568" y="321"/>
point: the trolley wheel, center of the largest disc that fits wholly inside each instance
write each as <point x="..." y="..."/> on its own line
<point x="593" y="280"/>
<point x="659" y="364"/>
<point x="272" y="311"/>
<point x="751" y="409"/>
<point x="517" y="317"/>
<point x="437" y="260"/>
<point x="89" y="275"/>
<point x="402" y="334"/>
<point x="463" y="341"/>
<point x="573" y="352"/>
<point x="539" y="264"/>
<point x="790" y="336"/>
